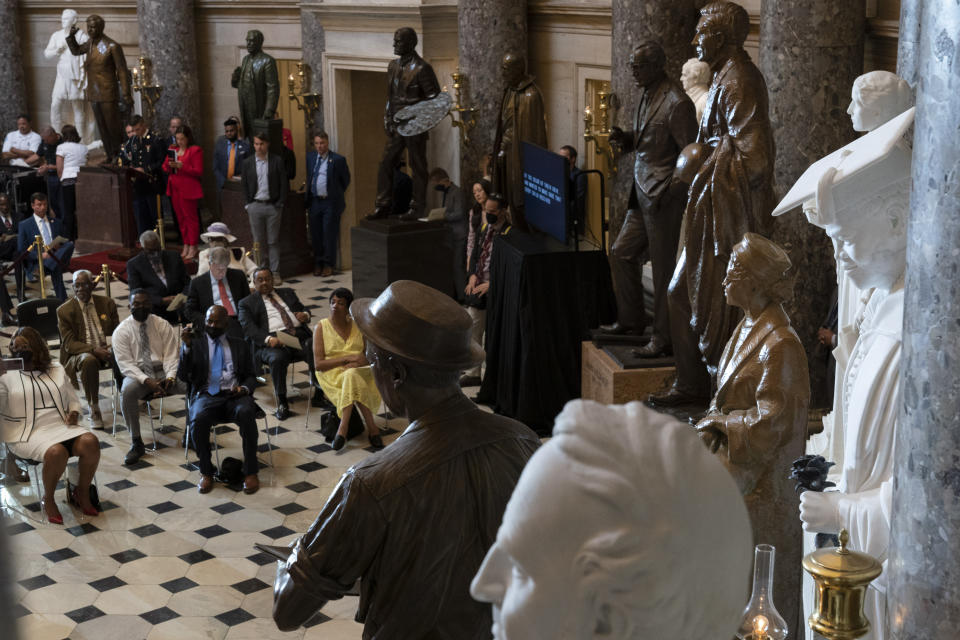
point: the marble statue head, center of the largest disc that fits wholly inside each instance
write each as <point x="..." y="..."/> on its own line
<point x="68" y="18"/>
<point x="877" y="97"/>
<point x="623" y="526"/>
<point x="722" y="26"/>
<point x="695" y="74"/>
<point x="871" y="243"/>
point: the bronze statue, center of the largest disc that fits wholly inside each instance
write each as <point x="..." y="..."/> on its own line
<point x="106" y="67"/>
<point x="757" y="422"/>
<point x="410" y="79"/>
<point x="257" y="84"/>
<point x="415" y="520"/>
<point x="521" y="119"/>
<point x="731" y="193"/>
<point x="664" y="124"/>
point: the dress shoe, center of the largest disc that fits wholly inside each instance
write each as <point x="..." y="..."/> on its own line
<point x="73" y="497"/>
<point x="469" y="381"/>
<point x="283" y="411"/>
<point x="376" y="442"/>
<point x="410" y="216"/>
<point x="206" y="484"/>
<point x="251" y="484"/>
<point x="656" y="348"/>
<point x="327" y="272"/>
<point x="136" y="450"/>
<point x="318" y="271"/>
<point x="338" y="442"/>
<point x="96" y="418"/>
<point x="673" y="397"/>
<point x="53" y="514"/>
<point x="7" y="320"/>
<point x="617" y="329"/>
<point x="379" y="214"/>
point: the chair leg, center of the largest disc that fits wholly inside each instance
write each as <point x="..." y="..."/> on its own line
<point x="266" y="427"/>
<point x="216" y="445"/>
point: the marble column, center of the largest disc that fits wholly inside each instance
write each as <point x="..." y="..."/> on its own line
<point x="314" y="43"/>
<point x="923" y="598"/>
<point x="13" y="92"/>
<point x="488" y="29"/>
<point x="168" y="38"/>
<point x="811" y="51"/>
<point x="909" y="40"/>
<point x="672" y="24"/>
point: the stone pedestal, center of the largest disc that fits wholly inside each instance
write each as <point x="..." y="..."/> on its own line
<point x="168" y="38"/>
<point x="923" y="595"/>
<point x="603" y="380"/>
<point x="488" y="29"/>
<point x="13" y="93"/>
<point x="104" y="210"/>
<point x="388" y="250"/>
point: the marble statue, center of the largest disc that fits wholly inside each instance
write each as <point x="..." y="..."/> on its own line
<point x="257" y="83"/>
<point x="522" y="119"/>
<point x="414" y="521"/>
<point x="68" y="88"/>
<point x="731" y="194"/>
<point x="695" y="78"/>
<point x="665" y="123"/>
<point x="410" y="79"/>
<point x="622" y="527"/>
<point x="757" y="421"/>
<point x="106" y="70"/>
<point x="861" y="197"/>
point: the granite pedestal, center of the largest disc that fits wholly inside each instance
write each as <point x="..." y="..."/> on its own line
<point x="388" y="250"/>
<point x="603" y="379"/>
<point x="104" y="210"/>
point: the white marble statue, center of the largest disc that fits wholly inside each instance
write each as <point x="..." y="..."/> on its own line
<point x="695" y="78"/>
<point x="862" y="198"/>
<point x="622" y="526"/>
<point x="68" y="89"/>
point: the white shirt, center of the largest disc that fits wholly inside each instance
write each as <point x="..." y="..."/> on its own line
<point x="74" y="156"/>
<point x="163" y="347"/>
<point x="274" y="321"/>
<point x="263" y="181"/>
<point x="320" y="188"/>
<point x="17" y="140"/>
<point x="44" y="226"/>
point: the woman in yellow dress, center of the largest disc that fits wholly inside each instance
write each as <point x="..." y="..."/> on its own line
<point x="342" y="368"/>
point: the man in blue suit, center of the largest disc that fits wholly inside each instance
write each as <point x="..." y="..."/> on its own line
<point x="327" y="180"/>
<point x="48" y="228"/>
<point x="229" y="144"/>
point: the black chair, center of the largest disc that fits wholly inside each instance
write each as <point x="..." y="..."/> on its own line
<point x="41" y="314"/>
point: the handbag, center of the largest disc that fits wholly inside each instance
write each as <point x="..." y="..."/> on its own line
<point x="330" y="422"/>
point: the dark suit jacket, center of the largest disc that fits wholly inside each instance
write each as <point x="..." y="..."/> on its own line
<point x="338" y="179"/>
<point x="8" y="248"/>
<point x="221" y="158"/>
<point x="276" y="176"/>
<point x="140" y="275"/>
<point x="253" y="315"/>
<point x="194" y="367"/>
<point x="27" y="230"/>
<point x="407" y="84"/>
<point x="73" y="336"/>
<point x="662" y="128"/>
<point x="200" y="295"/>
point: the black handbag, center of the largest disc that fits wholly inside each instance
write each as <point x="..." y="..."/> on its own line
<point x="330" y="422"/>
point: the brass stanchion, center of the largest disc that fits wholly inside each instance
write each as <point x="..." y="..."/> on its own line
<point x="38" y="241"/>
<point x="256" y="254"/>
<point x="106" y="274"/>
<point x="160" y="232"/>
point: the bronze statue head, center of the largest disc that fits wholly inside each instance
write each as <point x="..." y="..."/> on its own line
<point x="514" y="67"/>
<point x="722" y="29"/>
<point x="404" y="41"/>
<point x="254" y="41"/>
<point x="758" y="273"/>
<point x="647" y="62"/>
<point x="95" y="26"/>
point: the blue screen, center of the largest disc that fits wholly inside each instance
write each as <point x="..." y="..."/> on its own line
<point x="545" y="177"/>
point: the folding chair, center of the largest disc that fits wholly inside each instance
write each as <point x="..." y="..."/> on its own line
<point x="261" y="415"/>
<point x="41" y="314"/>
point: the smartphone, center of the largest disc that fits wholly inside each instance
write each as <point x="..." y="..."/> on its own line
<point x="173" y="154"/>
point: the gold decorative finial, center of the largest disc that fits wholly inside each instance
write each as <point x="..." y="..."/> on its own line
<point x="844" y="539"/>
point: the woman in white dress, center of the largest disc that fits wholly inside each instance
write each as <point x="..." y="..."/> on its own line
<point x="38" y="420"/>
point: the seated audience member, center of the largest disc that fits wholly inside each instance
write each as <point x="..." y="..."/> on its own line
<point x="455" y="218"/>
<point x="46" y="430"/>
<point x="218" y="235"/>
<point x="218" y="370"/>
<point x="145" y="346"/>
<point x="219" y="285"/>
<point x="481" y="191"/>
<point x="342" y="368"/>
<point x="55" y="262"/>
<point x="21" y="143"/>
<point x="577" y="190"/>
<point x="454" y="467"/>
<point x="495" y="224"/>
<point x="85" y="321"/>
<point x="328" y="177"/>
<point x="229" y="152"/>
<point x="71" y="155"/>
<point x="184" y="167"/>
<point x="45" y="160"/>
<point x="267" y="312"/>
<point x="8" y="251"/>
<point x="160" y="273"/>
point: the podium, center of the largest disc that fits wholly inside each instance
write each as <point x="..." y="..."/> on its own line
<point x="388" y="249"/>
<point x="104" y="209"/>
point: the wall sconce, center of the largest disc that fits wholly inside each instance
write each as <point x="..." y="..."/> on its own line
<point x="298" y="90"/>
<point x="600" y="136"/>
<point x="143" y="83"/>
<point x="463" y="125"/>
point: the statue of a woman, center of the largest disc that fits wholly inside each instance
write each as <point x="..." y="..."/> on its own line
<point x="71" y="79"/>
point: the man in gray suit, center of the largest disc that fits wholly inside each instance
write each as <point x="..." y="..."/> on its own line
<point x="665" y="123"/>
<point x="265" y="187"/>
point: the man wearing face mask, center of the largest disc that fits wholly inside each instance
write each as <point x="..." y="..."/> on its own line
<point x="145" y="347"/>
<point x="219" y="285"/>
<point x="219" y="372"/>
<point x="160" y="273"/>
<point x="454" y="218"/>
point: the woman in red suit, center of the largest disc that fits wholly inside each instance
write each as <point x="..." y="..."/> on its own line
<point x="184" y="163"/>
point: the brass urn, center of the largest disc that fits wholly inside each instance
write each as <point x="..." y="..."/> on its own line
<point x="841" y="578"/>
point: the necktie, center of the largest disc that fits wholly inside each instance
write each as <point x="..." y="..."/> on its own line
<point x="45" y="231"/>
<point x="287" y="322"/>
<point x="320" y="189"/>
<point x="225" y="299"/>
<point x="216" y="369"/>
<point x="232" y="161"/>
<point x="145" y="359"/>
<point x="94" y="333"/>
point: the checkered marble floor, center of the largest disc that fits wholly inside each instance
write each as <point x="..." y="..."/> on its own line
<point x="164" y="562"/>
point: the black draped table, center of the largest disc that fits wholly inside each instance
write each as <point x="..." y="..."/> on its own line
<point x="544" y="299"/>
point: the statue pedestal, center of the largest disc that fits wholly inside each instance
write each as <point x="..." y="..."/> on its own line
<point x="104" y="210"/>
<point x="388" y="250"/>
<point x="604" y="380"/>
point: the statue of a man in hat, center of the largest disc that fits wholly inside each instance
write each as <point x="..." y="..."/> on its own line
<point x="415" y="520"/>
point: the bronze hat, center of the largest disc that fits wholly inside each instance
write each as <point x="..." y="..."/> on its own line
<point x="419" y="324"/>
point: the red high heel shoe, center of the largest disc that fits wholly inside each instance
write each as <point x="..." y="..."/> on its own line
<point x="74" y="499"/>
<point x="57" y="519"/>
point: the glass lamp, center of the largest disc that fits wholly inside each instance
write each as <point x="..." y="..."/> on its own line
<point x="761" y="621"/>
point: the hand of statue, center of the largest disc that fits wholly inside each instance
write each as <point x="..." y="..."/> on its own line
<point x="819" y="511"/>
<point x="616" y="135"/>
<point x="235" y="78"/>
<point x="825" y="336"/>
<point x="712" y="433"/>
<point x="73" y="30"/>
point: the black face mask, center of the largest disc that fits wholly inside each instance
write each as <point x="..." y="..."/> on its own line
<point x="214" y="332"/>
<point x="492" y="218"/>
<point x="140" y="314"/>
<point x="26" y="356"/>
